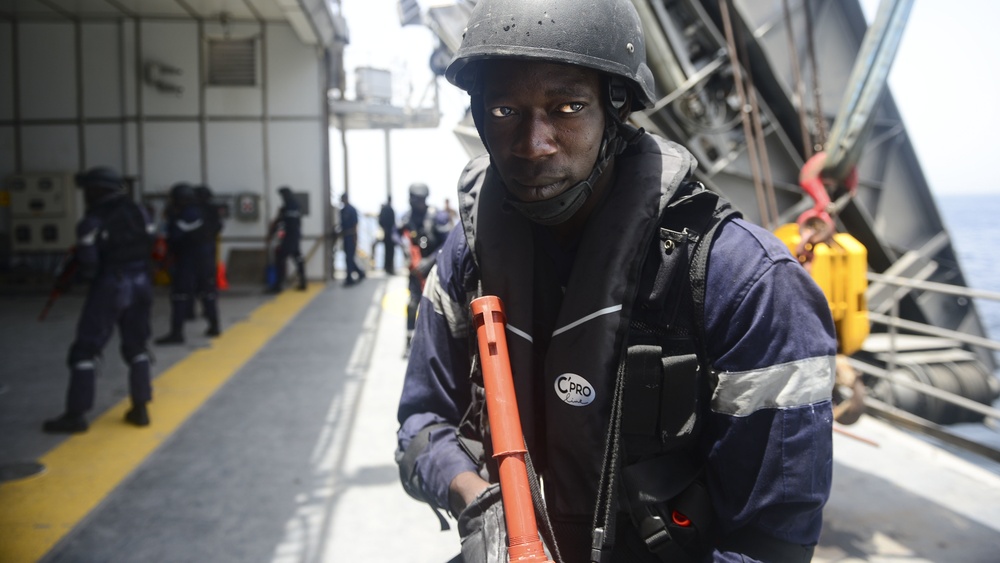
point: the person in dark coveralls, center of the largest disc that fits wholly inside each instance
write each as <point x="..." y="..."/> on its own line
<point x="289" y="223"/>
<point x="387" y="220"/>
<point x="673" y="363"/>
<point x="187" y="239"/>
<point x="424" y="229"/>
<point x="113" y="249"/>
<point x="349" y="232"/>
<point x="208" y="260"/>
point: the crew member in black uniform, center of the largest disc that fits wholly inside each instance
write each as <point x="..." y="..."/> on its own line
<point x="288" y="226"/>
<point x="114" y="244"/>
<point x="387" y="220"/>
<point x="425" y="229"/>
<point x="208" y="259"/>
<point x="349" y="232"/>
<point x="187" y="233"/>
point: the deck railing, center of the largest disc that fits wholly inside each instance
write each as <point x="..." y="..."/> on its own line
<point x="889" y="373"/>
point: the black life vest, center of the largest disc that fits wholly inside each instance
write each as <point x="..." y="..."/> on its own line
<point x="125" y="237"/>
<point x="631" y="297"/>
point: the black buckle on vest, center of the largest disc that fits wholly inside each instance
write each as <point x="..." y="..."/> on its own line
<point x="654" y="532"/>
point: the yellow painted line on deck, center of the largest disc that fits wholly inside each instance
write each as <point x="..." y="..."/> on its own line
<point x="37" y="512"/>
<point x="395" y="301"/>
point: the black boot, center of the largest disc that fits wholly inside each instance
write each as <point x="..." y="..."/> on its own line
<point x="211" y="306"/>
<point x="68" y="423"/>
<point x="409" y="340"/>
<point x="137" y="415"/>
<point x="300" y="268"/>
<point x="170" y="338"/>
<point x="179" y="305"/>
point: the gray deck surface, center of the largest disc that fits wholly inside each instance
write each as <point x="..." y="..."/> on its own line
<point x="292" y="459"/>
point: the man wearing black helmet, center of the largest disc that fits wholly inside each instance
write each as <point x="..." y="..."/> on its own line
<point x="673" y="363"/>
<point x="208" y="259"/>
<point x="288" y="226"/>
<point x="187" y="235"/>
<point x="114" y="243"/>
<point x="424" y="229"/>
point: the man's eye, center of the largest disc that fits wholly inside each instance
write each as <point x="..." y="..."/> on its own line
<point x="572" y="107"/>
<point x="501" y="111"/>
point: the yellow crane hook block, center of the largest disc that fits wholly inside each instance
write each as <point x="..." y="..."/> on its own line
<point x="840" y="269"/>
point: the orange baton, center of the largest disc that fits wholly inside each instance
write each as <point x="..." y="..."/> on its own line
<point x="524" y="543"/>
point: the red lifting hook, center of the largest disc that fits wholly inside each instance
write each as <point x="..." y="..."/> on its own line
<point x="816" y="225"/>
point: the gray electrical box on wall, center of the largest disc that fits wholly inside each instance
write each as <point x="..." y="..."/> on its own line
<point x="247" y="206"/>
<point x="44" y="210"/>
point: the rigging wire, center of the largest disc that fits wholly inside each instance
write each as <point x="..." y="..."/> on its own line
<point x="820" y="139"/>
<point x="800" y="88"/>
<point x="758" y="131"/>
<point x="746" y="108"/>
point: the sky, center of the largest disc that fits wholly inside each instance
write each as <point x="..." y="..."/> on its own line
<point x="945" y="79"/>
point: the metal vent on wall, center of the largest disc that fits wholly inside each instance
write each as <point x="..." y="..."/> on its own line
<point x="232" y="62"/>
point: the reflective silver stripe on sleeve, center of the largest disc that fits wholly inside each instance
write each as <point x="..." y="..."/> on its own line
<point x="798" y="383"/>
<point x="87" y="239"/>
<point x="456" y="314"/>
<point x="187" y="227"/>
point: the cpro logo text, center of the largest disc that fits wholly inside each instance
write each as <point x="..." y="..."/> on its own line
<point x="574" y="390"/>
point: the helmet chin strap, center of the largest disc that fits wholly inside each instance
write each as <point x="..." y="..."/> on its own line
<point x="557" y="210"/>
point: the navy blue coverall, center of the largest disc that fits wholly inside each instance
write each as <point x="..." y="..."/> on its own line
<point x="114" y="242"/>
<point x="289" y="221"/>
<point x="186" y="239"/>
<point x="349" y="229"/>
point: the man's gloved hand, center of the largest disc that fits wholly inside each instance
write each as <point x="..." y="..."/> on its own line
<point x="482" y="528"/>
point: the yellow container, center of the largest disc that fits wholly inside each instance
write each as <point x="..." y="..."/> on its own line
<point x="839" y="269"/>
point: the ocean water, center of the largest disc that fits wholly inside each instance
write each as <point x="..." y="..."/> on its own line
<point x="973" y="221"/>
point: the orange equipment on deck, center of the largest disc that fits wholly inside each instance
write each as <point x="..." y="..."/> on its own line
<point x="524" y="543"/>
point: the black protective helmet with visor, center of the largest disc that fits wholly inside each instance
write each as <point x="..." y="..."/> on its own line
<point x="603" y="35"/>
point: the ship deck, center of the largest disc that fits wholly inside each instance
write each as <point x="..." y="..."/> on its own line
<point x="274" y="442"/>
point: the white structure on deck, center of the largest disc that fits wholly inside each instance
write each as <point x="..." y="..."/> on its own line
<point x="232" y="95"/>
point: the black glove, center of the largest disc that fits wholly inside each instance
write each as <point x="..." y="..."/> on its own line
<point x="483" y="529"/>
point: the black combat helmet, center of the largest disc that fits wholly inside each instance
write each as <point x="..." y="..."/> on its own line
<point x="419" y="190"/>
<point x="182" y="194"/>
<point x="203" y="193"/>
<point x="603" y="35"/>
<point x="101" y="178"/>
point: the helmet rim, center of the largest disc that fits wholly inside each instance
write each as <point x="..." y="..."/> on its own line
<point x="490" y="35"/>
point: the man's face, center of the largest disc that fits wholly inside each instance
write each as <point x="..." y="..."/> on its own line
<point x="543" y="124"/>
<point x="418" y="203"/>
